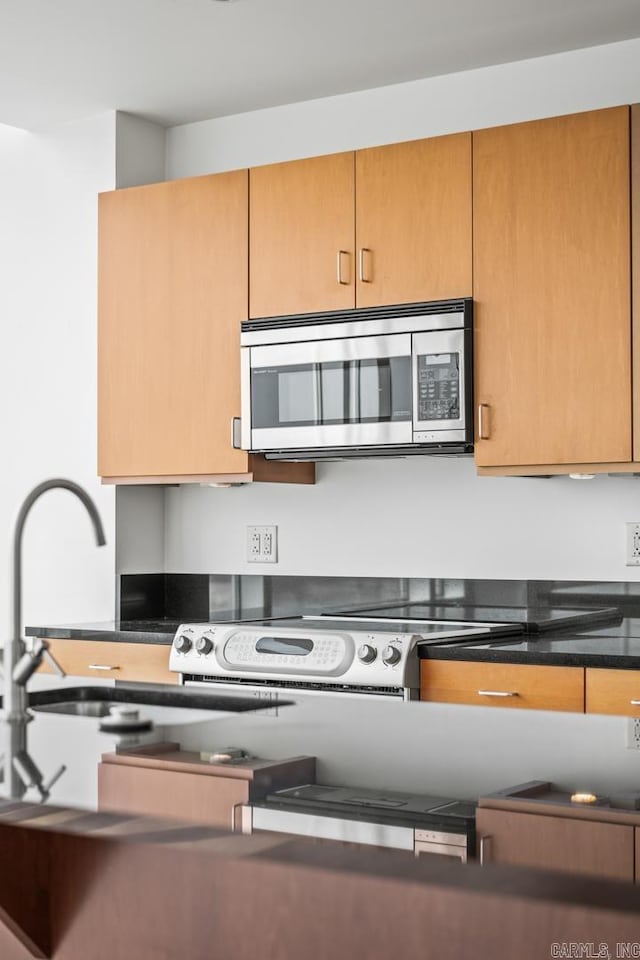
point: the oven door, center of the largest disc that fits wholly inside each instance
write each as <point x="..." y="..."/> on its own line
<point x="330" y="393"/>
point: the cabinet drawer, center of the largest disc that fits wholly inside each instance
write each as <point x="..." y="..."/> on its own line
<point x="503" y="685"/>
<point x="146" y="662"/>
<point x="615" y="692"/>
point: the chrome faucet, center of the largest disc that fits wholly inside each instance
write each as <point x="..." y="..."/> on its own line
<point x="20" y="772"/>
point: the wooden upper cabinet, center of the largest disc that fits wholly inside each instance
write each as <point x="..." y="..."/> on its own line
<point x="302" y="236"/>
<point x="172" y="294"/>
<point x="551" y="229"/>
<point x="413" y="221"/>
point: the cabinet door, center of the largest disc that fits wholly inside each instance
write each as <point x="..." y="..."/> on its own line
<point x="509" y="685"/>
<point x="172" y="293"/>
<point x="552" y="290"/>
<point x="302" y="236"/>
<point x="166" y="793"/>
<point x="413" y="221"/>
<point x="556" y="843"/>
<point x="614" y="692"/>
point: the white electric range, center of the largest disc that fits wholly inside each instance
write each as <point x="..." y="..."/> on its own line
<point x="349" y="656"/>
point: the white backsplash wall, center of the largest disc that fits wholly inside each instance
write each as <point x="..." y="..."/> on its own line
<point x="433" y="748"/>
<point x="419" y="517"/>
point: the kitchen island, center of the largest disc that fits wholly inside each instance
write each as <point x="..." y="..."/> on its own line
<point x="108" y="887"/>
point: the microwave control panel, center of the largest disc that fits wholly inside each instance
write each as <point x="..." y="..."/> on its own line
<point x="438" y="386"/>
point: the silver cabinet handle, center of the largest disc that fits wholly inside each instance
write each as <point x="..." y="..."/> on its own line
<point x="483" y="421"/>
<point x="340" y="277"/>
<point x="635" y="703"/>
<point x="484" y="842"/>
<point x="498" y="693"/>
<point x="236" y="426"/>
<point x="361" y="270"/>
<point x="101" y="666"/>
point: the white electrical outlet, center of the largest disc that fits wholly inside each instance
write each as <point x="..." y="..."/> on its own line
<point x="633" y="734"/>
<point x="633" y="544"/>
<point x="262" y="544"/>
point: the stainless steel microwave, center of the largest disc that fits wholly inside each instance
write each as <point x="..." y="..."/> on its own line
<point x="387" y="381"/>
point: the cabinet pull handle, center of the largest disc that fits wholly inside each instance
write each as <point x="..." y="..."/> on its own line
<point x="484" y="842"/>
<point x="101" y="666"/>
<point x="635" y="703"/>
<point x="236" y="427"/>
<point x="498" y="693"/>
<point x="341" y="254"/>
<point x="364" y="277"/>
<point x="483" y="421"/>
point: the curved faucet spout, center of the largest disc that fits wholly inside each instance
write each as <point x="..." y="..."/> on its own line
<point x="30" y="499"/>
<point x="17" y="673"/>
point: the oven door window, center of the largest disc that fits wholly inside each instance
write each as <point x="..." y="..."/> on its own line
<point x="369" y="390"/>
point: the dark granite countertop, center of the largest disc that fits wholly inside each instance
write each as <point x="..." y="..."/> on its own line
<point x="129" y="631"/>
<point x="610" y="646"/>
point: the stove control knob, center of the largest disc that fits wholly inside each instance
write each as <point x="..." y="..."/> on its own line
<point x="183" y="644"/>
<point x="391" y="655"/>
<point x="367" y="653"/>
<point x="204" y="645"/>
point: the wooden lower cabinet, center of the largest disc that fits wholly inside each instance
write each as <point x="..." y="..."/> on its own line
<point x="585" y="847"/>
<point x="164" y="781"/>
<point x="104" y="660"/>
<point x="514" y="686"/>
<point x="185" y="796"/>
<point x="614" y="692"/>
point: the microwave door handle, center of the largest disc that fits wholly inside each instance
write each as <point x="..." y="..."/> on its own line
<point x="317" y="376"/>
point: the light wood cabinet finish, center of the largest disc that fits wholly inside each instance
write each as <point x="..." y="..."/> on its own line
<point x="413" y="221"/>
<point x="585" y="847"/>
<point x="142" y="662"/>
<point x="552" y="289"/>
<point x="513" y="686"/>
<point x="301" y="218"/>
<point x="612" y="692"/>
<point x="173" y="290"/>
<point x="635" y="274"/>
<point x="172" y="294"/>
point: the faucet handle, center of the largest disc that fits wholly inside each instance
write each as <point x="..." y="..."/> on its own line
<point x="51" y="660"/>
<point x="30" y="775"/>
<point x="45" y="789"/>
<point x="31" y="660"/>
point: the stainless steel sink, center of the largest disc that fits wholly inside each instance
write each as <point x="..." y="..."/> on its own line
<point x="77" y="708"/>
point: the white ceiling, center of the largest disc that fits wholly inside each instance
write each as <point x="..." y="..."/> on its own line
<point x="174" y="61"/>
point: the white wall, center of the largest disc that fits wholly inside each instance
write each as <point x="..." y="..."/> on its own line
<point x="507" y="93"/>
<point x="425" y="517"/>
<point x="433" y="748"/>
<point x="48" y="224"/>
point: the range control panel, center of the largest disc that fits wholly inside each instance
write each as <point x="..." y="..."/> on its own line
<point x="271" y="652"/>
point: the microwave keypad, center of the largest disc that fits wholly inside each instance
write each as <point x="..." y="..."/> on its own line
<point x="438" y="386"/>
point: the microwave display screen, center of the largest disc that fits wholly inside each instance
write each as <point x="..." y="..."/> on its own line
<point x="438" y="386"/>
<point x="375" y="390"/>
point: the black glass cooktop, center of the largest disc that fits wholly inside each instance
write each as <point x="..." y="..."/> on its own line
<point x="531" y="619"/>
<point x="446" y="631"/>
